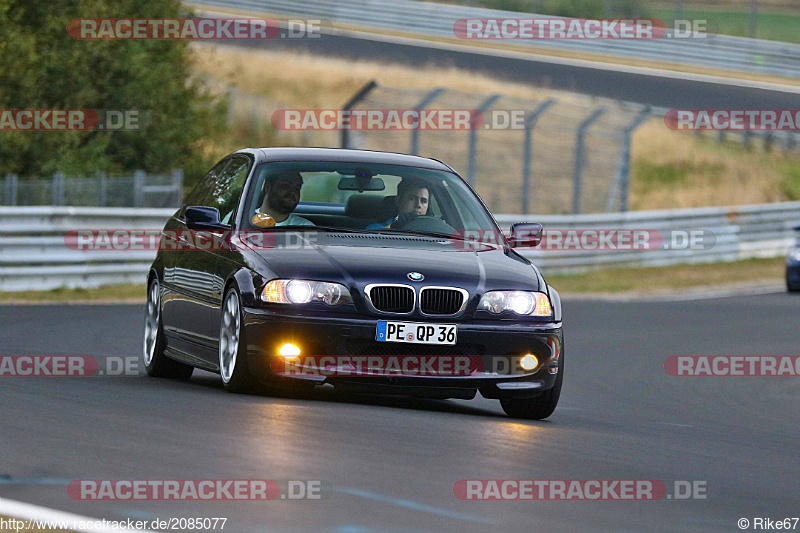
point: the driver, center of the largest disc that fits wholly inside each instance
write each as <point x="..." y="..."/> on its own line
<point x="281" y="196"/>
<point x="411" y="201"/>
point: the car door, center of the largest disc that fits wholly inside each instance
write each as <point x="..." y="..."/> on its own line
<point x="225" y="198"/>
<point x="189" y="280"/>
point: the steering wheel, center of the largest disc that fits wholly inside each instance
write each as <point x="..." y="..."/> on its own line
<point x="429" y="223"/>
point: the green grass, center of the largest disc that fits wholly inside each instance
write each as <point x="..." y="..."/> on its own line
<point x="773" y="26"/>
<point x="123" y="293"/>
<point x="670" y="277"/>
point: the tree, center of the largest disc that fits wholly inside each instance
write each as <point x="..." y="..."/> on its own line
<point x="42" y="67"/>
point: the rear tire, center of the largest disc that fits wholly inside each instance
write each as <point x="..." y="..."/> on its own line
<point x="233" y="365"/>
<point x="156" y="364"/>
<point x="540" y="407"/>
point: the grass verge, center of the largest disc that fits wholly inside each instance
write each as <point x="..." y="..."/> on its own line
<point x="110" y="293"/>
<point x="612" y="280"/>
<point x="649" y="279"/>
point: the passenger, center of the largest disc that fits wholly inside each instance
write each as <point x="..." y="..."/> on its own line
<point x="281" y="196"/>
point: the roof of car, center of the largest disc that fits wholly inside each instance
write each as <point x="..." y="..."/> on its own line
<point x="344" y="156"/>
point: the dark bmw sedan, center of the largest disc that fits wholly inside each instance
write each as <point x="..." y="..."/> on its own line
<point x="369" y="271"/>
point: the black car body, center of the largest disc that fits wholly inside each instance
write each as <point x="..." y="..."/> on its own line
<point x="206" y="304"/>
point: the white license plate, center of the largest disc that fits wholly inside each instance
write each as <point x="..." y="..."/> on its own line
<point x="416" y="332"/>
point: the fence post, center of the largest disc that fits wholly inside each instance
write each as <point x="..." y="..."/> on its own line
<point x="138" y="188"/>
<point x="472" y="165"/>
<point x="101" y="176"/>
<point x="425" y="102"/>
<point x="177" y="183"/>
<point x="360" y="95"/>
<point x="746" y="134"/>
<point x="577" y="174"/>
<point x="622" y="180"/>
<point x="11" y="189"/>
<point x="530" y="125"/>
<point x="768" y="141"/>
<point x="58" y="188"/>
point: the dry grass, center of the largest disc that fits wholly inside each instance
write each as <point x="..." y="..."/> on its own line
<point x="655" y="279"/>
<point x="675" y="169"/>
<point x="670" y="169"/>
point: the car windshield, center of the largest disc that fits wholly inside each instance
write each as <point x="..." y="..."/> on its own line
<point x="362" y="197"/>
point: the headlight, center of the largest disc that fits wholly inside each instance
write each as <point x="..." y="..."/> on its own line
<point x="298" y="291"/>
<point x="519" y="302"/>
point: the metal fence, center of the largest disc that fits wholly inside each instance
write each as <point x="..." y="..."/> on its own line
<point x="570" y="156"/>
<point x="435" y="19"/>
<point x="137" y="190"/>
<point x="33" y="254"/>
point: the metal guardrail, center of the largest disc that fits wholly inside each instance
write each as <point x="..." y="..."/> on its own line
<point x="742" y="232"/>
<point x="427" y="18"/>
<point x="33" y="254"/>
<point x="136" y="190"/>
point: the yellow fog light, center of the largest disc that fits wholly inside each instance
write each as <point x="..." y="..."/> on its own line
<point x="528" y="362"/>
<point x="289" y="351"/>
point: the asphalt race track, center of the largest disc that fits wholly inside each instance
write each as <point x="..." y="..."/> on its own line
<point x="393" y="462"/>
<point x="612" y="82"/>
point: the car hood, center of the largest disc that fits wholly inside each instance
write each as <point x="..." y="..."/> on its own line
<point x="357" y="260"/>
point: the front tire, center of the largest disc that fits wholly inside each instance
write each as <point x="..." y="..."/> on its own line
<point x="233" y="366"/>
<point x="540" y="407"/>
<point x="156" y="364"/>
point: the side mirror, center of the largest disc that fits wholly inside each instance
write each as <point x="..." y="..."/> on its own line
<point x="797" y="228"/>
<point x="203" y="218"/>
<point x="526" y="235"/>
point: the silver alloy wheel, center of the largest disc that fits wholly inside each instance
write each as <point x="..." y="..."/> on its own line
<point x="229" y="336"/>
<point x="152" y="319"/>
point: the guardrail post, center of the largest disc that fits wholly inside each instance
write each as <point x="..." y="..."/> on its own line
<point x="425" y="102"/>
<point x="768" y="141"/>
<point x="577" y="174"/>
<point x="58" y="188"/>
<point x="138" y="188"/>
<point x="11" y="189"/>
<point x="103" y="179"/>
<point x="746" y="134"/>
<point x="530" y="125"/>
<point x="622" y="179"/>
<point x="360" y="95"/>
<point x="472" y="163"/>
<point x="177" y="183"/>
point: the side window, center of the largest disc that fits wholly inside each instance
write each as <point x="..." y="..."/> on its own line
<point x="228" y="188"/>
<point x="201" y="191"/>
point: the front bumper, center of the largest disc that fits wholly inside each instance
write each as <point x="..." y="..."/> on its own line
<point x="493" y="347"/>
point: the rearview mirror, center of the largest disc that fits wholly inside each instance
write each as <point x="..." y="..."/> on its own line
<point x="361" y="184"/>
<point x="203" y="218"/>
<point x="526" y="235"/>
